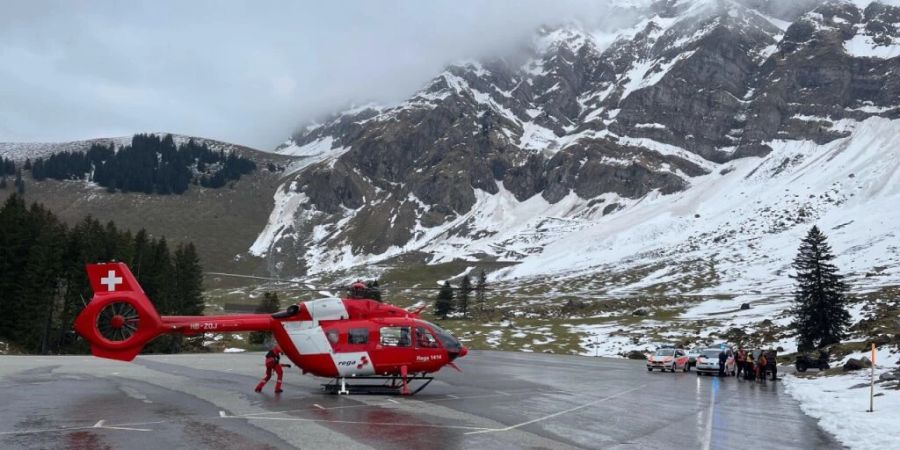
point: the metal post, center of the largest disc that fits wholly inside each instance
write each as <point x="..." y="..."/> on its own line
<point x="872" y="387"/>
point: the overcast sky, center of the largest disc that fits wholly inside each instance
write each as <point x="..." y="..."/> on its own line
<point x="247" y="72"/>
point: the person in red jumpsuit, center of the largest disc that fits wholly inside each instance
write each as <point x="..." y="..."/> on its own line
<point x="273" y="362"/>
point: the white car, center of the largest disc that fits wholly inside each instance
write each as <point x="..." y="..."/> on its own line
<point x="667" y="358"/>
<point x="708" y="363"/>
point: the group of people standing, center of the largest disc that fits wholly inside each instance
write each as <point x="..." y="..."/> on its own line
<point x="756" y="365"/>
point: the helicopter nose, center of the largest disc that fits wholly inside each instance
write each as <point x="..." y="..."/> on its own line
<point x="457" y="352"/>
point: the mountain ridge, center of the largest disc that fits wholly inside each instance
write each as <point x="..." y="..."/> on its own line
<point x="644" y="116"/>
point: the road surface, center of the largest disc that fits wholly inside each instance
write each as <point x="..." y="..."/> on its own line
<point x="500" y="400"/>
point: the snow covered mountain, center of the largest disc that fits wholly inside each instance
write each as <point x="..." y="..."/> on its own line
<point x="692" y="147"/>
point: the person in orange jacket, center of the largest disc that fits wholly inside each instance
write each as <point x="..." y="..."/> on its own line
<point x="273" y="362"/>
<point x="761" y="367"/>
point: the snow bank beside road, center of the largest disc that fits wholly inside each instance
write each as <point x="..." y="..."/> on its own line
<point x="840" y="403"/>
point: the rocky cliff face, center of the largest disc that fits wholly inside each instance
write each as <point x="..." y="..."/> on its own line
<point x="586" y="124"/>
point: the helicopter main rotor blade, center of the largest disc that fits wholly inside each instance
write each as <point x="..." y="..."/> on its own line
<point x="333" y="288"/>
<point x="252" y="277"/>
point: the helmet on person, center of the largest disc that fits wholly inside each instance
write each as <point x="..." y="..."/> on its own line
<point x="276" y="349"/>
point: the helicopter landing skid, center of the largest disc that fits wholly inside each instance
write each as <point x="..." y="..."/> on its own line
<point x="390" y="385"/>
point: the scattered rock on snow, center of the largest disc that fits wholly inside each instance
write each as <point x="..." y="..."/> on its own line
<point x="857" y="364"/>
<point x="745" y="306"/>
<point x="635" y="354"/>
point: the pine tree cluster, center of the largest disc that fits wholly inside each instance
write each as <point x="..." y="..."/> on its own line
<point x="450" y="300"/>
<point x="151" y="165"/>
<point x="43" y="285"/>
<point x="820" y="301"/>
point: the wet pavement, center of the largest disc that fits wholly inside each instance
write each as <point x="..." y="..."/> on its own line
<point x="500" y="400"/>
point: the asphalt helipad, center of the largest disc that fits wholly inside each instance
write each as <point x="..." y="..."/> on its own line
<point x="500" y="400"/>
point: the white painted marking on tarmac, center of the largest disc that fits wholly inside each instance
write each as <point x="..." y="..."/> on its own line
<point x="99" y="424"/>
<point x="393" y="401"/>
<point x="357" y="422"/>
<point x="376" y="405"/>
<point x="452" y="396"/>
<point x="557" y="414"/>
<point x="318" y="406"/>
<point x="135" y="394"/>
<point x="126" y="429"/>
<point x="707" y="436"/>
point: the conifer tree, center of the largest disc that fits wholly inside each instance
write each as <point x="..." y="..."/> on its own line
<point x="7" y="167"/>
<point x="820" y="300"/>
<point x="373" y="291"/>
<point x="20" y="183"/>
<point x="31" y="256"/>
<point x="156" y="277"/>
<point x="480" y="287"/>
<point x="188" y="278"/>
<point x="443" y="304"/>
<point x="141" y="253"/>
<point x="14" y="240"/>
<point x="465" y="291"/>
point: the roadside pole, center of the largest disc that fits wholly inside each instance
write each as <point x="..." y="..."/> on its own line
<point x="872" y="386"/>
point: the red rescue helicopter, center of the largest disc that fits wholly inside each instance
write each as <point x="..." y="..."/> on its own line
<point x="337" y="338"/>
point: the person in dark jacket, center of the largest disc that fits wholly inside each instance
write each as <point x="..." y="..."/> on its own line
<point x="723" y="358"/>
<point x="273" y="363"/>
<point x="740" y="361"/>
<point x="749" y="367"/>
<point x="772" y="366"/>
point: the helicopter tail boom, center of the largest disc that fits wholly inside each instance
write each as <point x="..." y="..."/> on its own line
<point x="120" y="319"/>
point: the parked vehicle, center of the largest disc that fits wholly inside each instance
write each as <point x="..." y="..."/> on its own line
<point x="708" y="363"/>
<point x="667" y="358"/>
<point x="693" y="354"/>
<point x="812" y="361"/>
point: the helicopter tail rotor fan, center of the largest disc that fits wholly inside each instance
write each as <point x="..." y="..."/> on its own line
<point x="118" y="321"/>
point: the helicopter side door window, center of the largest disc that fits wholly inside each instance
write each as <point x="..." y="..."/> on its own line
<point x="424" y="338"/>
<point x="395" y="337"/>
<point x="332" y="336"/>
<point x="358" y="336"/>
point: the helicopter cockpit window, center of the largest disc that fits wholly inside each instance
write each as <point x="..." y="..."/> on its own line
<point x="395" y="336"/>
<point x="358" y="336"/>
<point x="424" y="338"/>
<point x="450" y="343"/>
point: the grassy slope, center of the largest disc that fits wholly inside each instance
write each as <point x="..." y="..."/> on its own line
<point x="222" y="223"/>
